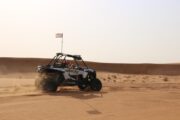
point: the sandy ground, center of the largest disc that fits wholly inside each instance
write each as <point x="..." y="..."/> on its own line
<point x="124" y="97"/>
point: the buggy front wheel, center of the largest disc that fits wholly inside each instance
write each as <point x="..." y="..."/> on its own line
<point x="96" y="85"/>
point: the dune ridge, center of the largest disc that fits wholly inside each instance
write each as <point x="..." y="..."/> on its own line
<point x="24" y="65"/>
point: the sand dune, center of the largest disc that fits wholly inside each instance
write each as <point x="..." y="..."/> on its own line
<point x="130" y="92"/>
<point x="8" y="65"/>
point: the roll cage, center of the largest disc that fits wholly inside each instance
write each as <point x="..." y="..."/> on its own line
<point x="60" y="58"/>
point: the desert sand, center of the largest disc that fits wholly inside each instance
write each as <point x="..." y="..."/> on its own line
<point x="130" y="92"/>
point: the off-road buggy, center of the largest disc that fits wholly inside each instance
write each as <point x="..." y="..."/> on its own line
<point x="64" y="72"/>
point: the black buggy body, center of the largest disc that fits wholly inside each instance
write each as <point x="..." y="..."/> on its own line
<point x="63" y="72"/>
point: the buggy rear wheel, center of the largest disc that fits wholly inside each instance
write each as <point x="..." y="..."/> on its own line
<point x="49" y="86"/>
<point x="96" y="85"/>
<point x="47" y="82"/>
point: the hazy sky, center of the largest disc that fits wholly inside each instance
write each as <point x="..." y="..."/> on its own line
<point x="120" y="31"/>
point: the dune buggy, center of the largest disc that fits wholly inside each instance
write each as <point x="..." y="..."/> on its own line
<point x="64" y="72"/>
